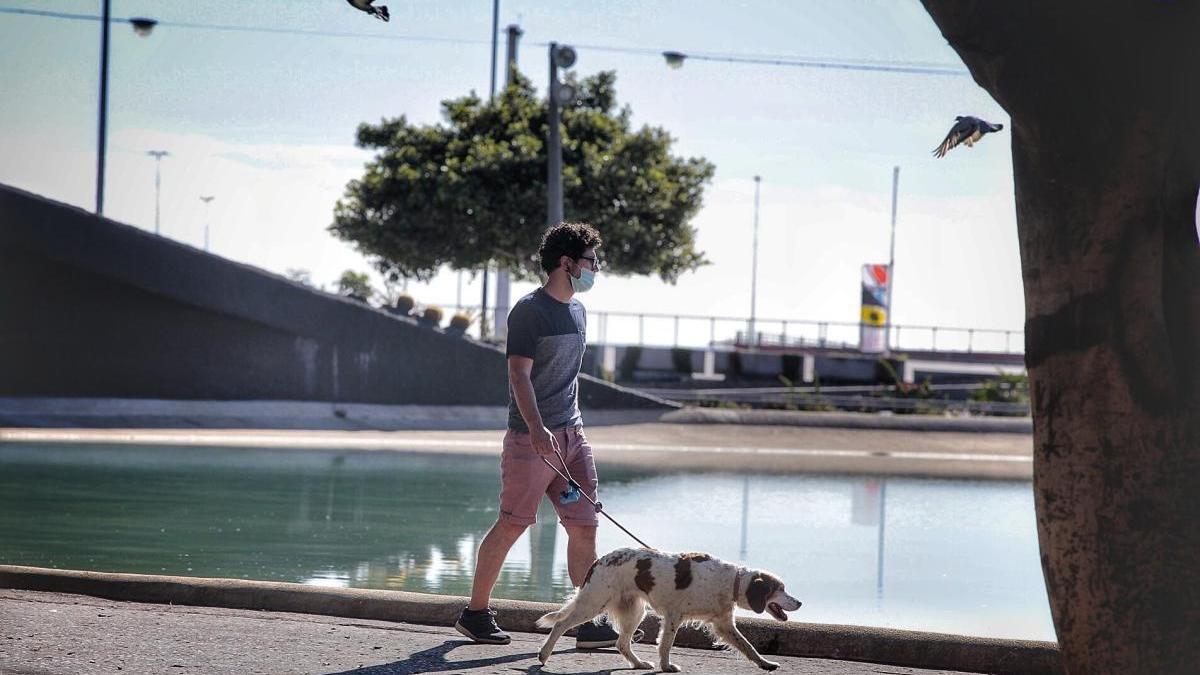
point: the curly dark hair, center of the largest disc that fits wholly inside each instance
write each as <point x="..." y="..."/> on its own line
<point x="569" y="239"/>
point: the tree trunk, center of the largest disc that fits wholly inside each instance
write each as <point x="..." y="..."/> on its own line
<point x="1106" y="162"/>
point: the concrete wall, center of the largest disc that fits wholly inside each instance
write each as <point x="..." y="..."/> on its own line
<point x="94" y="308"/>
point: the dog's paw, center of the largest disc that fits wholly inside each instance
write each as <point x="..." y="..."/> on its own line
<point x="643" y="665"/>
<point x="767" y="665"/>
<point x="670" y="668"/>
<point x="544" y="655"/>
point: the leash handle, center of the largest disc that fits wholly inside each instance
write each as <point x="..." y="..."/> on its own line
<point x="599" y="507"/>
<point x="571" y="482"/>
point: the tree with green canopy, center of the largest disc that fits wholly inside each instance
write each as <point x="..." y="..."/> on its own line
<point x="472" y="191"/>
<point x="355" y="285"/>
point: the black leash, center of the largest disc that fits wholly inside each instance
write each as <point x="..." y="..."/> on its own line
<point x="599" y="506"/>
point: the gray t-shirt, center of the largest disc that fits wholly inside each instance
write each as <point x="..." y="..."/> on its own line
<point x="553" y="334"/>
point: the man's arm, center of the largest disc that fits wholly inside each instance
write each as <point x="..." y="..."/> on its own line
<point x="519" y="370"/>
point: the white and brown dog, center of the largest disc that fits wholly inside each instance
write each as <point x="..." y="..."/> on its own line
<point x="681" y="587"/>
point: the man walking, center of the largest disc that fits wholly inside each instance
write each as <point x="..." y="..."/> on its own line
<point x="546" y="338"/>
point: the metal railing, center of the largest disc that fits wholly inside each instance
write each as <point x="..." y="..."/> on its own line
<point x="683" y="330"/>
<point x="693" y="330"/>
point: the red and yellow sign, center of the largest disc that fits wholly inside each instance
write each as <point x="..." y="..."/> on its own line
<point x="872" y="334"/>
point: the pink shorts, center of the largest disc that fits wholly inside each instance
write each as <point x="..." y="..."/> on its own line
<point x="525" y="478"/>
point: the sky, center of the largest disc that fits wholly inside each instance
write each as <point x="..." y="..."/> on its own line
<point x="265" y="122"/>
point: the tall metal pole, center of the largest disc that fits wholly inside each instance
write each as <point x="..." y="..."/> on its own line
<point x="207" y="216"/>
<point x="157" y="155"/>
<point x="483" y="322"/>
<point x="754" y="264"/>
<point x="502" y="279"/>
<point x="102" y="133"/>
<point x="495" y="37"/>
<point x="891" y="280"/>
<point x="554" y="204"/>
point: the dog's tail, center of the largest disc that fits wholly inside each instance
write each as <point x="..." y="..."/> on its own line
<point x="549" y="620"/>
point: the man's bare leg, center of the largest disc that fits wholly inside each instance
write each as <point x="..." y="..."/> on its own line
<point x="490" y="559"/>
<point x="581" y="551"/>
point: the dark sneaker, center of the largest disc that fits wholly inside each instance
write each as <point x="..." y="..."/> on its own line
<point x="480" y="626"/>
<point x="593" y="635"/>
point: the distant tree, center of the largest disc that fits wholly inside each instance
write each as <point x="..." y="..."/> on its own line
<point x="474" y="190"/>
<point x="355" y="285"/>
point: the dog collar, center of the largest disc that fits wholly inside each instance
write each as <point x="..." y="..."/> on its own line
<point x="737" y="580"/>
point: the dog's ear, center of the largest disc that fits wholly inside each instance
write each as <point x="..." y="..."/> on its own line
<point x="761" y="587"/>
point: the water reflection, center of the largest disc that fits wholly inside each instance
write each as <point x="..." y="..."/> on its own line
<point x="868" y="507"/>
<point x="960" y="556"/>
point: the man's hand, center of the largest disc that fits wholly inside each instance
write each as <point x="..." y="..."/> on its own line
<point x="543" y="441"/>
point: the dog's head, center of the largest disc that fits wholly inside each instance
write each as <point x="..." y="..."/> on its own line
<point x="765" y="592"/>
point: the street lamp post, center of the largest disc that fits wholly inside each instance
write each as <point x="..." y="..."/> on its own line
<point x="495" y="38"/>
<point x="102" y="133"/>
<point x="142" y="27"/>
<point x="891" y="273"/>
<point x="754" y="263"/>
<point x="157" y="155"/>
<point x="503" y="285"/>
<point x="207" y="216"/>
<point x="560" y="93"/>
<point x="483" y="307"/>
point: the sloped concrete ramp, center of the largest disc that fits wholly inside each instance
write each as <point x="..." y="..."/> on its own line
<point x="96" y="309"/>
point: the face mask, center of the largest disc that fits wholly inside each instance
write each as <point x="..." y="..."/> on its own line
<point x="585" y="281"/>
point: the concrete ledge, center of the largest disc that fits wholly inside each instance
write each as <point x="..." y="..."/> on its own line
<point x="848" y="420"/>
<point x="127" y="413"/>
<point x="853" y="643"/>
<point x="130" y="413"/>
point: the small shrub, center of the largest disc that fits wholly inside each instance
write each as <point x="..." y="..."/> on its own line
<point x="723" y="404"/>
<point x="902" y="389"/>
<point x="432" y="315"/>
<point x="789" y="399"/>
<point x="1003" y="389"/>
<point x="404" y="304"/>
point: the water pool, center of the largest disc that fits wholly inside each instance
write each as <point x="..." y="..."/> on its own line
<point x="926" y="554"/>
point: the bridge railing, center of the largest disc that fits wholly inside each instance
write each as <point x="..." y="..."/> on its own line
<point x="682" y="330"/>
<point x="697" y="330"/>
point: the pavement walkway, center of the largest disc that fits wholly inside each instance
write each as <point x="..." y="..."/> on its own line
<point x="44" y="633"/>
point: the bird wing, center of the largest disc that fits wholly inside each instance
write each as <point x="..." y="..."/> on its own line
<point x="959" y="132"/>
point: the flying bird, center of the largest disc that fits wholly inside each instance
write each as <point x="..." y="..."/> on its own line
<point x="379" y="12"/>
<point x="965" y="130"/>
